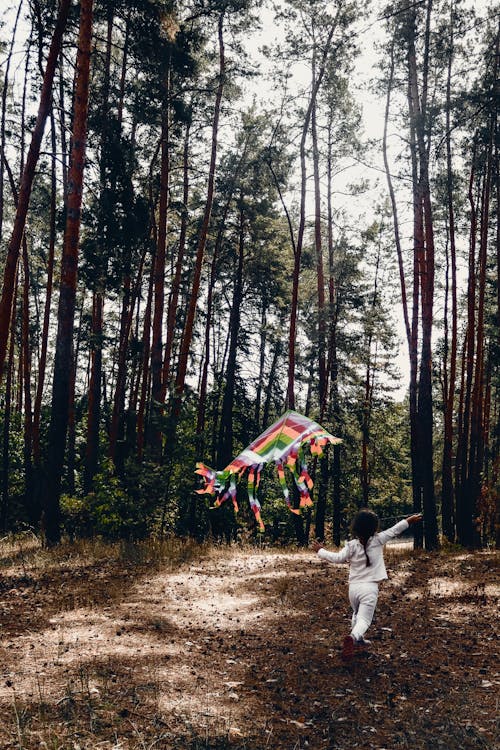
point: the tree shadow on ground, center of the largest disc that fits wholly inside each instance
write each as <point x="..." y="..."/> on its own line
<point x="243" y="652"/>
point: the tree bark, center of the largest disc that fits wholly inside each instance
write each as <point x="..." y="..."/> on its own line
<point x="159" y="270"/>
<point x="145" y="377"/>
<point x="27" y="182"/>
<point x="42" y="363"/>
<point x="290" y="397"/>
<point x="94" y="394"/>
<point x="5" y="92"/>
<point x="225" y="442"/>
<point x="319" y="265"/>
<point x="176" y="281"/>
<point x="476" y="452"/>
<point x="32" y="512"/>
<point x="447" y="492"/>
<point x="463" y="499"/>
<point x="63" y="364"/>
<point x="202" y="240"/>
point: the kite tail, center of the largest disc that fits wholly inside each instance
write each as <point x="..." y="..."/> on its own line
<point x="229" y="493"/>
<point x="232" y="493"/>
<point x="317" y="445"/>
<point x="304" y="484"/>
<point x="209" y="476"/>
<point x="284" y="487"/>
<point x="253" y="485"/>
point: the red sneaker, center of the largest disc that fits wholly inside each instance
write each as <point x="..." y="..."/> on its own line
<point x="348" y="648"/>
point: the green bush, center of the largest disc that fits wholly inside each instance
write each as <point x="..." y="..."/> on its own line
<point x="108" y="511"/>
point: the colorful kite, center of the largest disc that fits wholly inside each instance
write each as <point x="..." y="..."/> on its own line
<point x="285" y="442"/>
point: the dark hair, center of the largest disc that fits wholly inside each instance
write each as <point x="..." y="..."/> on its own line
<point x="364" y="525"/>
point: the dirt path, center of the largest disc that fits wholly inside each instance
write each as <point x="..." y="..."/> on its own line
<point x="240" y="649"/>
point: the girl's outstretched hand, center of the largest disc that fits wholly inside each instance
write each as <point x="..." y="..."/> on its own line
<point x="415" y="518"/>
<point x="316" y="545"/>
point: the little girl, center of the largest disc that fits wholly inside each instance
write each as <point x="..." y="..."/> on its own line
<point x="365" y="555"/>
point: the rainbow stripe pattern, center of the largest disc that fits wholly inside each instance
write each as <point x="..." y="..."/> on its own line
<point x="285" y="443"/>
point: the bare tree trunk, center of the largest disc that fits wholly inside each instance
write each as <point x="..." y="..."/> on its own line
<point x="368" y="398"/>
<point x="464" y="506"/>
<point x="69" y="264"/>
<point x="200" y="419"/>
<point x="146" y="338"/>
<point x="273" y="374"/>
<point x="99" y="285"/>
<point x="159" y="270"/>
<point x="32" y="512"/>
<point x="42" y="364"/>
<point x="202" y="240"/>
<point x="319" y="267"/>
<point x="225" y="443"/>
<point x="290" y="398"/>
<point x="324" y="357"/>
<point x="476" y="452"/>
<point x="27" y="181"/>
<point x="447" y="493"/>
<point x="94" y="394"/>
<point x="332" y="367"/>
<point x="5" y="92"/>
<point x="392" y="195"/>
<point x="262" y="362"/>
<point x="425" y="412"/>
<point x="176" y="281"/>
<point x="6" y="425"/>
<point x="127" y="316"/>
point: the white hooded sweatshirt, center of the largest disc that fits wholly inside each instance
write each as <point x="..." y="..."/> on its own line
<point x="354" y="554"/>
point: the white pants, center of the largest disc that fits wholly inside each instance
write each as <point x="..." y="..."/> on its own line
<point x="363" y="598"/>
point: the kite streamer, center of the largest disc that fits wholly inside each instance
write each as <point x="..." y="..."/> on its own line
<point x="284" y="443"/>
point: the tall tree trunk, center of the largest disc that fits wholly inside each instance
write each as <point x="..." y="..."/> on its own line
<point x="262" y="361"/>
<point x="7" y="412"/>
<point x="126" y="316"/>
<point x="5" y="92"/>
<point x="42" y="364"/>
<point x="320" y="278"/>
<point x="202" y="239"/>
<point x="225" y="443"/>
<point x="425" y="414"/>
<point x="418" y="270"/>
<point x="27" y="181"/>
<point x="32" y="512"/>
<point x="62" y="136"/>
<point x="202" y="399"/>
<point x="319" y="266"/>
<point x="332" y="369"/>
<point x="99" y="285"/>
<point x="63" y="363"/>
<point x="447" y="492"/>
<point x="159" y="271"/>
<point x="145" y="376"/>
<point x="94" y="394"/>
<point x="271" y="380"/>
<point x="476" y="452"/>
<point x="368" y="392"/>
<point x="130" y="298"/>
<point x="463" y="499"/>
<point x="292" y="335"/>
<point x="176" y="281"/>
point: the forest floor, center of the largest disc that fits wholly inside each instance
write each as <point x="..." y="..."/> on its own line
<point x="178" y="646"/>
